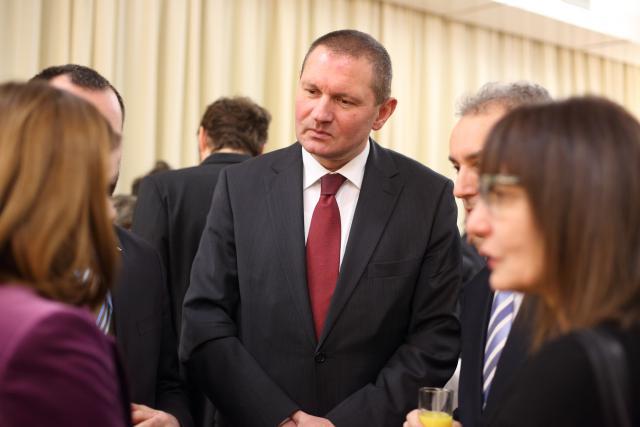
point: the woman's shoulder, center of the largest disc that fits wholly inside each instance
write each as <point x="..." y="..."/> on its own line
<point x="558" y="384"/>
<point x="60" y="345"/>
<point x="27" y="319"/>
<point x="21" y="305"/>
<point x="568" y="352"/>
<point x="556" y="387"/>
<point x="562" y="359"/>
<point x="568" y="355"/>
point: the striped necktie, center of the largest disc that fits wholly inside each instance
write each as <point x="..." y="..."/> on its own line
<point x="103" y="321"/>
<point x="502" y="312"/>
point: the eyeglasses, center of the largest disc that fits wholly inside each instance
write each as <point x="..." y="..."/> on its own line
<point x="489" y="181"/>
<point x="495" y="198"/>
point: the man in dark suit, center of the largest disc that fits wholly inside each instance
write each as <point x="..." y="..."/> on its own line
<point x="144" y="333"/>
<point x="483" y="383"/>
<point x="141" y="318"/>
<point x="344" y="329"/>
<point x="172" y="207"/>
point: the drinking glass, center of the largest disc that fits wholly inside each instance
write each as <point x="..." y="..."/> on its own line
<point x="436" y="407"/>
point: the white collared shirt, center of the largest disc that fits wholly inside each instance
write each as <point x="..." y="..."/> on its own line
<point x="346" y="197"/>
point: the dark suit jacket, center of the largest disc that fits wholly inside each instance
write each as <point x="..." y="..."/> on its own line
<point x="171" y="212"/>
<point x="144" y="332"/>
<point x="477" y="299"/>
<point x="56" y="367"/>
<point x="558" y="385"/>
<point x="391" y="326"/>
<point x="472" y="262"/>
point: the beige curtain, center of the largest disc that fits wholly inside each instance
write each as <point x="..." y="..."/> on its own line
<point x="170" y="58"/>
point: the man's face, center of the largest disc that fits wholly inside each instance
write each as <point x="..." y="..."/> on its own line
<point x="465" y="148"/>
<point x="106" y="102"/>
<point x="114" y="171"/>
<point x="336" y="107"/>
<point x="114" y="168"/>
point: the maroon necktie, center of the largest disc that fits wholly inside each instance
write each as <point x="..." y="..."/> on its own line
<point x="323" y="249"/>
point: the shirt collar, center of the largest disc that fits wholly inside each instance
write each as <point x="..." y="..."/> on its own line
<point x="353" y="170"/>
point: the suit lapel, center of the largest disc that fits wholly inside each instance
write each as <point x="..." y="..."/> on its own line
<point x="284" y="198"/>
<point x="379" y="193"/>
<point x="119" y="304"/>
<point x="478" y="299"/>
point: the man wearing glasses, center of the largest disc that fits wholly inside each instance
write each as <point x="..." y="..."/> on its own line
<point x="494" y="338"/>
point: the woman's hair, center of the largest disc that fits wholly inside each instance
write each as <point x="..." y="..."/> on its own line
<point x="54" y="223"/>
<point x="579" y="164"/>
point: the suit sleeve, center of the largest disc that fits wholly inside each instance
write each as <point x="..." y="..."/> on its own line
<point x="63" y="373"/>
<point x="171" y="393"/>
<point x="429" y="355"/>
<point x="150" y="218"/>
<point x="209" y="345"/>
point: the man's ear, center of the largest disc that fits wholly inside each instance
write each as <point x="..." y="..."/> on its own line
<point x="203" y="148"/>
<point x="385" y="111"/>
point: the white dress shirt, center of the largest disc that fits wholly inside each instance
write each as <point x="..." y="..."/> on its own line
<point x="346" y="197"/>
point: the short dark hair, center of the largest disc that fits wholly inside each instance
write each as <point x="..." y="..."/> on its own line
<point x="82" y="76"/>
<point x="237" y="123"/>
<point x="505" y="95"/>
<point x="125" y="205"/>
<point x="578" y="162"/>
<point x="356" y="44"/>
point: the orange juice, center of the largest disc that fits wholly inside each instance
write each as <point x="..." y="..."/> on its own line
<point x="435" y="419"/>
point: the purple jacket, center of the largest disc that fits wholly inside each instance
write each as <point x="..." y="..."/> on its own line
<point x="56" y="367"/>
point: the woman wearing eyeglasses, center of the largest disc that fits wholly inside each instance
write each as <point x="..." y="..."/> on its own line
<point x="56" y="367"/>
<point x="560" y="220"/>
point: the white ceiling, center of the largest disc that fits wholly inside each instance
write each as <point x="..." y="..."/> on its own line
<point x="610" y="28"/>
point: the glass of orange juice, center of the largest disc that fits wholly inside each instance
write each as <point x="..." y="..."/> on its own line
<point x="436" y="407"/>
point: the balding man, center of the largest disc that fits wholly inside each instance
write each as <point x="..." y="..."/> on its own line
<point x="141" y="320"/>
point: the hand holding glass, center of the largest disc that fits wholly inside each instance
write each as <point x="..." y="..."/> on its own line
<point x="436" y="407"/>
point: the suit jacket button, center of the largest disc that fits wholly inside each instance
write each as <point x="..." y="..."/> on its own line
<point x="320" y="357"/>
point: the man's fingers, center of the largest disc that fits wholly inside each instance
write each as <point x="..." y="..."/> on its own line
<point x="140" y="407"/>
<point x="141" y="413"/>
<point x="151" y="422"/>
<point x="412" y="419"/>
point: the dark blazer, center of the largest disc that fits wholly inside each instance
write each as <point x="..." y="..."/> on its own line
<point x="171" y="212"/>
<point x="472" y="262"/>
<point x="391" y="327"/>
<point x="144" y="332"/>
<point x="477" y="299"/>
<point x="56" y="367"/>
<point x="557" y="387"/>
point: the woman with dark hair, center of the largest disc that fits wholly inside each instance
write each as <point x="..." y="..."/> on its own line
<point x="56" y="367"/>
<point x="560" y="220"/>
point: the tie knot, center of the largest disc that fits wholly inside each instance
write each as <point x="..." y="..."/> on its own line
<point x="502" y="296"/>
<point x="330" y="184"/>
